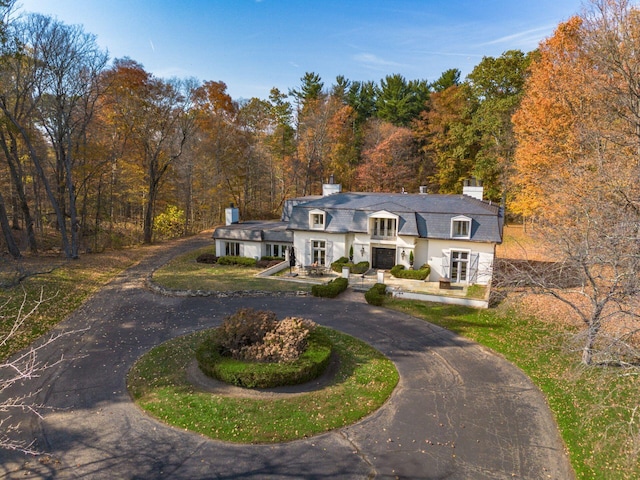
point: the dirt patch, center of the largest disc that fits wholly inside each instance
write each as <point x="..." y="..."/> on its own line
<point x="207" y="384"/>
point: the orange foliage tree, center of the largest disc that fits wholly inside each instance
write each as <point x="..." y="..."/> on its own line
<point x="576" y="168"/>
<point x="389" y="158"/>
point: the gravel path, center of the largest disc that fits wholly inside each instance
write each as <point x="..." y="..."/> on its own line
<point x="459" y="411"/>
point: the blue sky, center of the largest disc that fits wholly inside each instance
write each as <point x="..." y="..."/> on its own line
<point x="254" y="45"/>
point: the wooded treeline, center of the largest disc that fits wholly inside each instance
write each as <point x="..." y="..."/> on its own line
<point x="97" y="154"/>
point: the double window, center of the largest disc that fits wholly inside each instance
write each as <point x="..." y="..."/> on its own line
<point x="316" y="220"/>
<point x="232" y="249"/>
<point x="461" y="227"/>
<point x="276" y="250"/>
<point x="459" y="266"/>
<point x="319" y="252"/>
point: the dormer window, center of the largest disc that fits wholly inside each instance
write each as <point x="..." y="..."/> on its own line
<point x="316" y="220"/>
<point x="461" y="227"/>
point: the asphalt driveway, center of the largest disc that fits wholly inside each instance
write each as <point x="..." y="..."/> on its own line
<point x="459" y="411"/>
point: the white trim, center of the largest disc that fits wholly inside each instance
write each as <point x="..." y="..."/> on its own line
<point x="383" y="214"/>
<point x="461" y="219"/>
<point x="319" y="214"/>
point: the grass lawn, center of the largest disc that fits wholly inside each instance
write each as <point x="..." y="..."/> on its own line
<point x="159" y="384"/>
<point x="596" y="408"/>
<point x="64" y="288"/>
<point x="184" y="273"/>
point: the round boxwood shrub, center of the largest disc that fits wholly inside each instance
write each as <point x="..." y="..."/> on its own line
<point x="422" y="273"/>
<point x="376" y="294"/>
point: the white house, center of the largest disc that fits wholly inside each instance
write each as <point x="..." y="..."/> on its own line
<point x="455" y="234"/>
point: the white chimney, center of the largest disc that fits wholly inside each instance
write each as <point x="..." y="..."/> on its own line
<point x="330" y="188"/>
<point x="231" y="215"/>
<point x="473" y="188"/>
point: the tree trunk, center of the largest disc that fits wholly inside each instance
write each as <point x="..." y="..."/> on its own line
<point x="15" y="168"/>
<point x="40" y="171"/>
<point x="6" y="231"/>
<point x="74" y="224"/>
<point x="147" y="226"/>
<point x="587" y="350"/>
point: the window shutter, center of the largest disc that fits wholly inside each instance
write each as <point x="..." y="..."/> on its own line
<point x="445" y="264"/>
<point x="473" y="267"/>
<point x="329" y="253"/>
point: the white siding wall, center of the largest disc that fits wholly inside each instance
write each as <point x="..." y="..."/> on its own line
<point x="360" y="240"/>
<point x="484" y="251"/>
<point x="336" y="246"/>
<point x="247" y="249"/>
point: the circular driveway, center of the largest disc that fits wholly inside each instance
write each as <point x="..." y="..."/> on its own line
<point x="458" y="412"/>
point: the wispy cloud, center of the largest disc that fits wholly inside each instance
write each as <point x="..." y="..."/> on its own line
<point x="526" y="36"/>
<point x="373" y="61"/>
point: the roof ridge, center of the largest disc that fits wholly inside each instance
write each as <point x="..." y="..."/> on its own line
<point x="494" y="207"/>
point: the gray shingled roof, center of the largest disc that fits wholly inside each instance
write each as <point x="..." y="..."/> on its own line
<point x="258" y="231"/>
<point x="426" y="216"/>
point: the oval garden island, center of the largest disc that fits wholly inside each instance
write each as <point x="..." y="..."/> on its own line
<point x="257" y="379"/>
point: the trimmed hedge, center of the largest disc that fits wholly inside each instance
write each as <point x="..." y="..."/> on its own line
<point x="233" y="260"/>
<point x="209" y="258"/>
<point x="269" y="258"/>
<point x="339" y="263"/>
<point x="310" y="365"/>
<point x="376" y="294"/>
<point x="357" y="268"/>
<point x="399" y="271"/>
<point x="332" y="289"/>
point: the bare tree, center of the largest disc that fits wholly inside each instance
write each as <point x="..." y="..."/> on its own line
<point x="595" y="276"/>
<point x="578" y="164"/>
<point x="22" y="367"/>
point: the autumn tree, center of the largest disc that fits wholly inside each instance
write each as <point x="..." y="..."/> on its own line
<point x="152" y="117"/>
<point x="221" y="145"/>
<point x="50" y="87"/>
<point x="313" y="112"/>
<point x="389" y="159"/>
<point x="6" y="50"/>
<point x="280" y="141"/>
<point x="577" y="166"/>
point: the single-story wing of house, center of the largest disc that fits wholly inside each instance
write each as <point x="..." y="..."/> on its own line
<point x="455" y="235"/>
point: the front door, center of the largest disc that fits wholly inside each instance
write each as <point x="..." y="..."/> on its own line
<point x="384" y="258"/>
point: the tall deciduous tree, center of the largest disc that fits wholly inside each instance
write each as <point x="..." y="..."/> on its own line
<point x="577" y="167"/>
<point x="448" y="144"/>
<point x="151" y="115"/>
<point x="389" y="158"/>
<point x="497" y="86"/>
<point x="51" y="84"/>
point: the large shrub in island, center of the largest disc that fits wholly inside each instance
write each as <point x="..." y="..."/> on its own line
<point x="254" y="349"/>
